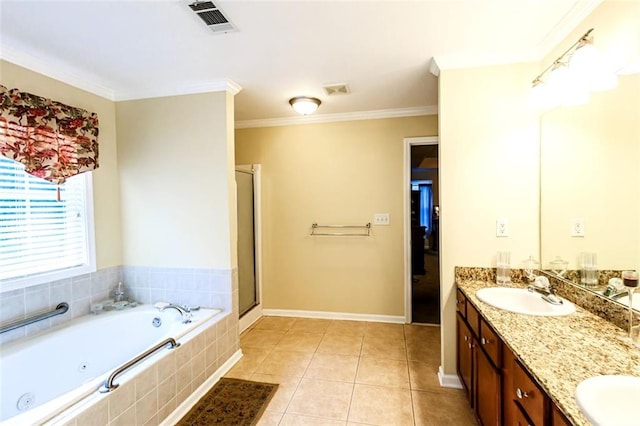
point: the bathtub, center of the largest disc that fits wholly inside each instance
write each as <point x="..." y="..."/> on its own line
<point x="48" y="373"/>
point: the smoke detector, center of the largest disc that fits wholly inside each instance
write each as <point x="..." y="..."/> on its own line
<point x="336" y="89"/>
<point x="212" y="16"/>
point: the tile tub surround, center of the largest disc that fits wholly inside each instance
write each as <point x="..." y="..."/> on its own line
<point x="155" y="392"/>
<point x="560" y="352"/>
<point x="80" y="292"/>
<point x="205" y="287"/>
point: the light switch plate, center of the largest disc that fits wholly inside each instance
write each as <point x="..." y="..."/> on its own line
<point x="502" y="228"/>
<point x="381" y="219"/>
<point x="577" y="227"/>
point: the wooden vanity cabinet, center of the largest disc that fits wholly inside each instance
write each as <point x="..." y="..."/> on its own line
<point x="557" y="418"/>
<point x="499" y="388"/>
<point x="478" y="364"/>
<point x="529" y="397"/>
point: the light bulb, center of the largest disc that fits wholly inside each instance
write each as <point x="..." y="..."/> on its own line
<point x="565" y="88"/>
<point x="304" y="105"/>
<point x="590" y="68"/>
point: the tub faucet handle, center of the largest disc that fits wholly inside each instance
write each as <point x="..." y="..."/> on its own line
<point x="191" y="308"/>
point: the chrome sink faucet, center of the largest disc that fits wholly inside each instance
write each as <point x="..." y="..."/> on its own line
<point x="543" y="286"/>
<point x="186" y="315"/>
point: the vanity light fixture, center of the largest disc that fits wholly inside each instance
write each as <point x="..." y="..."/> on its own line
<point x="304" y="105"/>
<point x="572" y="76"/>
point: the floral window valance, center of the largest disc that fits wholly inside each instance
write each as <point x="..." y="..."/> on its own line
<point x="54" y="141"/>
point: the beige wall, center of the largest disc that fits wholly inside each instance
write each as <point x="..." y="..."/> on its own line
<point x="488" y="169"/>
<point x="335" y="173"/>
<point x="178" y="194"/>
<point x="591" y="153"/>
<point x="106" y="188"/>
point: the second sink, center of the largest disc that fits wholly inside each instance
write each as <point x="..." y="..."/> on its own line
<point x="522" y="301"/>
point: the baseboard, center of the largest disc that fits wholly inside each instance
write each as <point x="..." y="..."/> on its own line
<point x="188" y="403"/>
<point x="334" y="315"/>
<point x="448" y="380"/>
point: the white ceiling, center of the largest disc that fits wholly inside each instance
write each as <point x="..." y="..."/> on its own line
<point x="381" y="49"/>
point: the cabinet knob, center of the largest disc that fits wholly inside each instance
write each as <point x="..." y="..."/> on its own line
<point x="466" y="338"/>
<point x="521" y="394"/>
<point x="470" y="345"/>
<point x="485" y="341"/>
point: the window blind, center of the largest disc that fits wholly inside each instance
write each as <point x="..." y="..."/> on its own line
<point x="39" y="234"/>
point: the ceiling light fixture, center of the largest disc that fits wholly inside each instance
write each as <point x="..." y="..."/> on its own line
<point x="572" y="76"/>
<point x="304" y="105"/>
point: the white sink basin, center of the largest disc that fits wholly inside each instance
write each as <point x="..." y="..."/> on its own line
<point x="522" y="301"/>
<point x="609" y="400"/>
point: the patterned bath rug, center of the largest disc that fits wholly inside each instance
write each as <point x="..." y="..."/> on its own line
<point x="231" y="402"/>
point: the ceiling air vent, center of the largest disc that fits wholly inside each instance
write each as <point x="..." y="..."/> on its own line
<point x="336" y="89"/>
<point x="212" y="16"/>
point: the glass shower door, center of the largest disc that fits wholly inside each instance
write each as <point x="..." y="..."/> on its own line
<point x="247" y="293"/>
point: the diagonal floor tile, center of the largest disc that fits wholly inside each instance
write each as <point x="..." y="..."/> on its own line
<point x="435" y="409"/>
<point x="299" y="342"/>
<point x="264" y="339"/>
<point x="378" y="405"/>
<point x="341" y="368"/>
<point x="383" y="372"/>
<point x="341" y="344"/>
<point x="287" y="386"/>
<point x="275" y="323"/>
<point x="384" y="347"/>
<point x="285" y="363"/>
<point x="321" y="398"/>
<point x="311" y="325"/>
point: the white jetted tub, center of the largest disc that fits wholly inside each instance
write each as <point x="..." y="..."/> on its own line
<point x="47" y="373"/>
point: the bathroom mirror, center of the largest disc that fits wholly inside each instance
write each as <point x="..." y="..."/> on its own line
<point x="590" y="158"/>
<point x="590" y="181"/>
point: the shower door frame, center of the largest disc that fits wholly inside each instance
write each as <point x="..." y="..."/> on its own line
<point x="254" y="313"/>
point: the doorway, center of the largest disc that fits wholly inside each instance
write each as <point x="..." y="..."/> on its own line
<point x="249" y="259"/>
<point x="422" y="231"/>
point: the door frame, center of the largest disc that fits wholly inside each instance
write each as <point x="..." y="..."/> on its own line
<point x="256" y="312"/>
<point x="406" y="195"/>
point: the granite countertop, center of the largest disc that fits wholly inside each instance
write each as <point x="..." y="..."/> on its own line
<point x="560" y="352"/>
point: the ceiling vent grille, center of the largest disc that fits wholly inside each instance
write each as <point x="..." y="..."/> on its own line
<point x="212" y="16"/>
<point x="336" y="89"/>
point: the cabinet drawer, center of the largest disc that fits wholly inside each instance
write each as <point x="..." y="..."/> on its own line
<point x="557" y="418"/>
<point x="528" y="395"/>
<point x="461" y="306"/>
<point x="473" y="318"/>
<point x="490" y="342"/>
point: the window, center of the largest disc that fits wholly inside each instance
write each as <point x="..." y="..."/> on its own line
<point x="42" y="239"/>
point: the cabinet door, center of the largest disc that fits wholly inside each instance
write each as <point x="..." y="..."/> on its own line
<point x="465" y="346"/>
<point x="488" y="391"/>
<point x="509" y="414"/>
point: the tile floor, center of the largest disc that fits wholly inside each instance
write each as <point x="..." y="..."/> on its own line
<point x="349" y="373"/>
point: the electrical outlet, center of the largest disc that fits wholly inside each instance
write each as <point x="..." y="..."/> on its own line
<point x="502" y="228"/>
<point x="381" y="219"/>
<point x="577" y="228"/>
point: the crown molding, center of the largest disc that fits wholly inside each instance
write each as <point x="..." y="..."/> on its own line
<point x="178" y="90"/>
<point x="479" y="60"/>
<point x="11" y="52"/>
<point x="566" y="25"/>
<point x="347" y="116"/>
